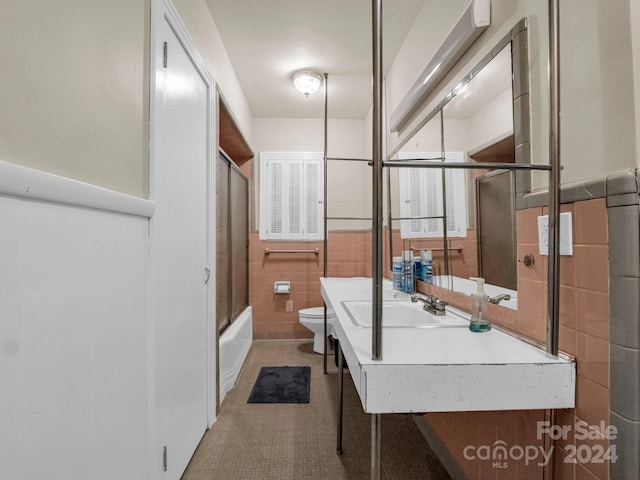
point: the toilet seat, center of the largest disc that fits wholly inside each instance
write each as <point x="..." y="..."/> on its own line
<point x="316" y="312"/>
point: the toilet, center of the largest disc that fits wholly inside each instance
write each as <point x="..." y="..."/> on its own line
<point x="313" y="319"/>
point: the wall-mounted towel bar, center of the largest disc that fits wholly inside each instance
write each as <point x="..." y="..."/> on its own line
<point x="459" y="248"/>
<point x="268" y="251"/>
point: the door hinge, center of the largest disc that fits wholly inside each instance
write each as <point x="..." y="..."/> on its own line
<point x="164" y="458"/>
<point x="164" y="55"/>
<point x="207" y="273"/>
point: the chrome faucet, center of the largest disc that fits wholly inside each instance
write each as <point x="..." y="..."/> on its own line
<point x="498" y="298"/>
<point x="432" y="304"/>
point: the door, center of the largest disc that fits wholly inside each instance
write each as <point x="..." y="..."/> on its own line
<point x="223" y="245"/>
<point x="179" y="187"/>
<point x="496" y="214"/>
<point x="238" y="201"/>
<point x="232" y="242"/>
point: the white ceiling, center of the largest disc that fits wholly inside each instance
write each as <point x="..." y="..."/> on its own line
<point x="268" y="40"/>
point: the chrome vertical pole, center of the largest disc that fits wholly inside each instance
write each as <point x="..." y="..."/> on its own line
<point x="324" y="204"/>
<point x="377" y="183"/>
<point x="340" y="398"/>
<point x="376" y="340"/>
<point x="376" y="453"/>
<point x="445" y="233"/>
<point x="554" y="180"/>
<point x="553" y="280"/>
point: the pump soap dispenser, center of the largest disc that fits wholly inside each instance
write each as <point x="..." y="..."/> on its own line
<point x="478" y="322"/>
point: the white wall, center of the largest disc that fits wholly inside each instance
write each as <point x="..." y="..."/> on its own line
<point x="74" y="330"/>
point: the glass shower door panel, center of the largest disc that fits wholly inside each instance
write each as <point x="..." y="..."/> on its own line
<point x="239" y="225"/>
<point x="223" y="314"/>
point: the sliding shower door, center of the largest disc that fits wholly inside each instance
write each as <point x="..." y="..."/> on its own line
<point x="496" y="217"/>
<point x="239" y="252"/>
<point x="232" y="242"/>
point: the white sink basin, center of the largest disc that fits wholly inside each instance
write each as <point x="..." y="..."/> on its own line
<point x="400" y="314"/>
<point x="427" y="367"/>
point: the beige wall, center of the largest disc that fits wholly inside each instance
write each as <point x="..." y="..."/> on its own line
<point x="598" y="134"/>
<point x="634" y="6"/>
<point x="75" y="83"/>
<point x="75" y="86"/>
<point x="203" y="31"/>
<point x="493" y="121"/>
<point x="74" y="90"/>
<point x="348" y="183"/>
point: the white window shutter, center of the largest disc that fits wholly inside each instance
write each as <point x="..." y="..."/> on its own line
<point x="416" y="200"/>
<point x="313" y="200"/>
<point x="433" y="202"/>
<point x="294" y="198"/>
<point x="291" y="192"/>
<point x="421" y="196"/>
<point x="276" y="177"/>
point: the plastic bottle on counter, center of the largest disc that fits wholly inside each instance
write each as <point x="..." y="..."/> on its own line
<point x="397" y="273"/>
<point x="407" y="271"/>
<point x="426" y="266"/>
<point x="417" y="266"/>
<point x="478" y="322"/>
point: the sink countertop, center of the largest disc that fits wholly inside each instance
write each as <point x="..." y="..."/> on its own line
<point x="444" y="369"/>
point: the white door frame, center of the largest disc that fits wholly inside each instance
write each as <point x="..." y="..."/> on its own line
<point x="165" y="11"/>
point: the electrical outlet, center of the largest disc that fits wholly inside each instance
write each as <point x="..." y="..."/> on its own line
<point x="566" y="234"/>
<point x="289" y="306"/>
<point x="543" y="234"/>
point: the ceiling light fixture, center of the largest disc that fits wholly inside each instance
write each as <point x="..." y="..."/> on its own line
<point x="307" y="82"/>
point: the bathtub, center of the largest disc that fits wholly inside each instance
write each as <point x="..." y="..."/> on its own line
<point x="235" y="342"/>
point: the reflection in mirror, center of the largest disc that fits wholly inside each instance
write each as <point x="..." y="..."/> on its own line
<point x="417" y="214"/>
<point x="473" y="123"/>
<point x="483" y="110"/>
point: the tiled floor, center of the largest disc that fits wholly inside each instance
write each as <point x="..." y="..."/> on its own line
<point x="298" y="441"/>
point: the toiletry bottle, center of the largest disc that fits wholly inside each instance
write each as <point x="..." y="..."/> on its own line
<point x="478" y="322"/>
<point x="426" y="266"/>
<point x="407" y="272"/>
<point x="416" y="267"/>
<point x="397" y="273"/>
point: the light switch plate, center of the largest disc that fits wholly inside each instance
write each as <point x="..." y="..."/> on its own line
<point x="566" y="234"/>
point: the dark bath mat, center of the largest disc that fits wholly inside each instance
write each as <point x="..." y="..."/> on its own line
<point x="281" y="385"/>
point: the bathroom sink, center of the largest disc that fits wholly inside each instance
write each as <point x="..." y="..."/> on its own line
<point x="400" y="314"/>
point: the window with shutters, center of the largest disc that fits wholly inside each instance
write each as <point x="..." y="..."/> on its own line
<point x="420" y="193"/>
<point x="291" y="196"/>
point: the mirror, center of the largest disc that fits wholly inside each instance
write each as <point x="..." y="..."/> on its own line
<point x="481" y="120"/>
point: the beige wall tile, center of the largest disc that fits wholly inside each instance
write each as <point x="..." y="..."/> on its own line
<point x="593" y="355"/>
<point x="593" y="313"/>
<point x="592" y="401"/>
<point x="590" y="222"/>
<point x="592" y="267"/>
